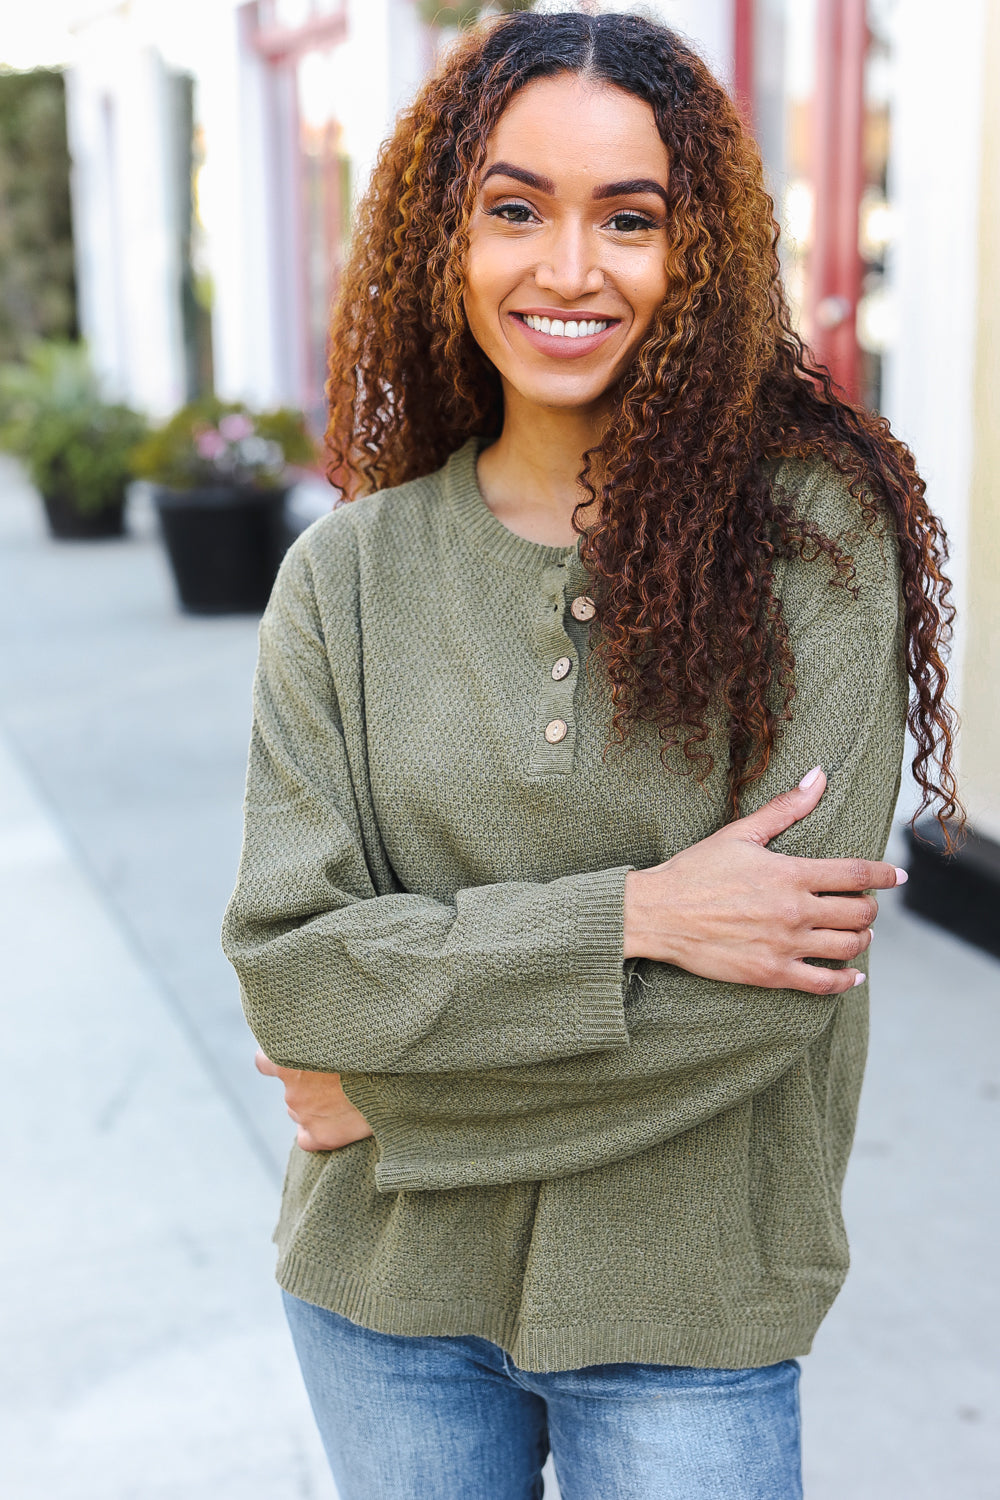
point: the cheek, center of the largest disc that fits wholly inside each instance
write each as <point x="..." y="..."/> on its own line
<point x="483" y="277"/>
<point x="477" y="302"/>
<point x="649" y="289"/>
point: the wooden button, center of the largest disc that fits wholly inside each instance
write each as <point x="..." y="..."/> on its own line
<point x="562" y="668"/>
<point x="556" y="731"/>
<point x="583" y="607"/>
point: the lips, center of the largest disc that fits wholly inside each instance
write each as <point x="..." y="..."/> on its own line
<point x="564" y="337"/>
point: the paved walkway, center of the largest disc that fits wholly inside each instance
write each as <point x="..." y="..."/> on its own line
<point x="145" y="1352"/>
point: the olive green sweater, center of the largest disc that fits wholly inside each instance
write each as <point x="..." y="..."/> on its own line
<point x="582" y="1160"/>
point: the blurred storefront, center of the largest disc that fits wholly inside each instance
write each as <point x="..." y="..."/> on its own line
<point x="815" y="78"/>
<point x="218" y="147"/>
<point x="881" y="141"/>
<point x="215" y="150"/>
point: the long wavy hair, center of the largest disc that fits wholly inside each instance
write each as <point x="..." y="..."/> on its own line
<point x="682" y="524"/>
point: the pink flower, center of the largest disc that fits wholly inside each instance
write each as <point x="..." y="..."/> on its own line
<point x="209" y="443"/>
<point x="235" y="427"/>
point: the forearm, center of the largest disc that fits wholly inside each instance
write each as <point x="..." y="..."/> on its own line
<point x="698" y="1049"/>
<point x="508" y="975"/>
<point x="698" y="1046"/>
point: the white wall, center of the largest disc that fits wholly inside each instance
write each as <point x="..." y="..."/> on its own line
<point x="127" y="258"/>
<point x="379" y="69"/>
<point x="255" y="316"/>
<point x="934" y="186"/>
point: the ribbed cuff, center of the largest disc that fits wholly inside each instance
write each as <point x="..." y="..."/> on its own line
<point x="599" y="946"/>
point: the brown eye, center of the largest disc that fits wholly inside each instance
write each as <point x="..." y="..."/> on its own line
<point x="629" y="222"/>
<point x="511" y="213"/>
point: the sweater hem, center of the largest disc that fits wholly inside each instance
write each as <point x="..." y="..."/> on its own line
<point x="541" y="1349"/>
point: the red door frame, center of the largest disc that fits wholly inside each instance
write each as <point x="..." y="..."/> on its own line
<point x="744" y="17"/>
<point x="837" y="267"/>
<point x="280" y="49"/>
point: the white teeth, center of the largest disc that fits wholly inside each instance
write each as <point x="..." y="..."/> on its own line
<point x="562" y="329"/>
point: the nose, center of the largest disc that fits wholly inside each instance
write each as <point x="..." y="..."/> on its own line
<point x="568" y="265"/>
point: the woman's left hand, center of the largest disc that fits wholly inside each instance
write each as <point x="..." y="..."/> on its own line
<point x="316" y="1102"/>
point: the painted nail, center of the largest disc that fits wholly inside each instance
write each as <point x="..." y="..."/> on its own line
<point x="901" y="876"/>
<point x="858" y="979"/>
<point x="809" y="779"/>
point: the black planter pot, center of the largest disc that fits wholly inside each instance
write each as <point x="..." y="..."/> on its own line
<point x="68" y="524"/>
<point x="225" y="545"/>
<point x="959" y="891"/>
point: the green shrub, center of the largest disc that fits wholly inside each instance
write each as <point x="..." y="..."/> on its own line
<point x="212" y="442"/>
<point x="74" y="444"/>
<point x="84" y="455"/>
<point x="467" y="12"/>
<point x="37" y="284"/>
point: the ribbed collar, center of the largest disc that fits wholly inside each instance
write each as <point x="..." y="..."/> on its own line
<point x="479" y="526"/>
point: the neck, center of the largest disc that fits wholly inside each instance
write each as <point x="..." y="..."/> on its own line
<point x="529" y="476"/>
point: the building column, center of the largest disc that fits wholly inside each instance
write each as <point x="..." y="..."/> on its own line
<point x="980" y="700"/>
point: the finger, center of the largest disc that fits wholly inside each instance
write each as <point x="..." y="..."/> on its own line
<point x="264" y="1065"/>
<point x="784" y="810"/>
<point x="844" y="946"/>
<point x="846" y="913"/>
<point x="813" y="980"/>
<point x="849" y="875"/>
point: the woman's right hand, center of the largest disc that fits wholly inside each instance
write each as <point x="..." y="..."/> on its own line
<point x="730" y="908"/>
<point x="326" y="1118"/>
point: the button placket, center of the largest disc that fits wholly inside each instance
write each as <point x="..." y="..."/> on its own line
<point x="555" y="723"/>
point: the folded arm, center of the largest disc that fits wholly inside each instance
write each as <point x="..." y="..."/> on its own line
<point x="337" y="976"/>
<point x="492" y="1039"/>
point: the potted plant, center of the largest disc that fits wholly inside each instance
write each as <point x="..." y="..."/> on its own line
<point x="220" y="477"/>
<point x="75" y="445"/>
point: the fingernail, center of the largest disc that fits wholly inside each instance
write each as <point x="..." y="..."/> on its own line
<point x="858" y="979"/>
<point x="901" y="876"/>
<point x="810" y="778"/>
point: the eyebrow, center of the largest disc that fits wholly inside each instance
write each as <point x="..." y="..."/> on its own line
<point x="632" y="185"/>
<point x="520" y="174"/>
<point x="623" y="189"/>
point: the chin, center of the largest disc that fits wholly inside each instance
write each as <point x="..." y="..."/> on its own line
<point x="560" y="397"/>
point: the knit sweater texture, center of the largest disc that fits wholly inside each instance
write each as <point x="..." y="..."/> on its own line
<point x="584" y="1160"/>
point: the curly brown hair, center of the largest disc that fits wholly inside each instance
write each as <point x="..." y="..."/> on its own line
<point x="683" y="524"/>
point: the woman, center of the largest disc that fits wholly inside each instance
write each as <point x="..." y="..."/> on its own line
<point x="557" y="961"/>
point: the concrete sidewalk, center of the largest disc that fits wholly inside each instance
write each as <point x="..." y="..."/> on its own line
<point x="146" y="1355"/>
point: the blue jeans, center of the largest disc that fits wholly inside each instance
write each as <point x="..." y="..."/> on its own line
<point x="454" y="1419"/>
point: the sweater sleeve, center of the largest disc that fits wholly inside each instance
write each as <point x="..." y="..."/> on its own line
<point x="696" y="1046"/>
<point x="337" y="976"/>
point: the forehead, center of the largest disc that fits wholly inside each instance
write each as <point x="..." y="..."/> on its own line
<point x="569" y="125"/>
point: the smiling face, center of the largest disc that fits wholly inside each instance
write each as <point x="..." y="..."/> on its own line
<point x="566" y="264"/>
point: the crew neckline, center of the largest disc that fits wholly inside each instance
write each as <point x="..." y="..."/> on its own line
<point x="485" y="530"/>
